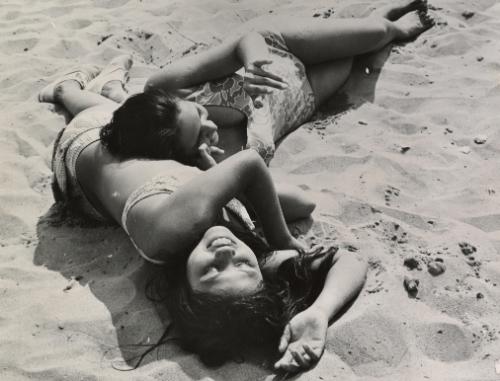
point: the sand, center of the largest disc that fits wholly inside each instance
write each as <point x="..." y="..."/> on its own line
<point x="402" y="163"/>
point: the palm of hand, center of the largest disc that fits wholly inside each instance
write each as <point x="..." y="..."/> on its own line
<point x="303" y="341"/>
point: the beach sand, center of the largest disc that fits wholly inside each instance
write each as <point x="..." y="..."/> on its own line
<point x="402" y="163"/>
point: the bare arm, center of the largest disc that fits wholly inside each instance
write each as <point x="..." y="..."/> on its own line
<point x="344" y="280"/>
<point x="186" y="214"/>
<point x="304" y="338"/>
<point x="250" y="51"/>
<point x="216" y="62"/>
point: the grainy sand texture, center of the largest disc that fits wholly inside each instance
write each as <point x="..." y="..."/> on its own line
<point x="403" y="164"/>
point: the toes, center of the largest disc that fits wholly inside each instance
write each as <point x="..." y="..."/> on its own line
<point x="426" y="19"/>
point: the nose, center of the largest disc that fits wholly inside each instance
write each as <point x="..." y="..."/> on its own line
<point x="223" y="256"/>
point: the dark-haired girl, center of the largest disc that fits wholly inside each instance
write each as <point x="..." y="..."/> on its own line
<point x="253" y="89"/>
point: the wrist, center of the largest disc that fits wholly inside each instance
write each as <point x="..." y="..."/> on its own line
<point x="320" y="310"/>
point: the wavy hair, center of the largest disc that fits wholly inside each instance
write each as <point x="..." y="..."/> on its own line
<point x="222" y="327"/>
<point x="143" y="126"/>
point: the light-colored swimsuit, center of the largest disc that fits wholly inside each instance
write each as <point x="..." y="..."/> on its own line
<point x="283" y="110"/>
<point x="82" y="131"/>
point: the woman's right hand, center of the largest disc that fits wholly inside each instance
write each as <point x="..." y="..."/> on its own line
<point x="205" y="159"/>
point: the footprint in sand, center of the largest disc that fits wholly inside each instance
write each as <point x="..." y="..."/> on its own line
<point x="470" y="251"/>
<point x="390" y="193"/>
<point x="370" y="345"/>
<point x="12" y="226"/>
<point x="444" y="342"/>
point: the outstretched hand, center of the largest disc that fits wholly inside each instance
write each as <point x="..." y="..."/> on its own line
<point x="259" y="81"/>
<point x="303" y="340"/>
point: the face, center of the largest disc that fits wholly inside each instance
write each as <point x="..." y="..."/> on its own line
<point x="194" y="129"/>
<point x="222" y="264"/>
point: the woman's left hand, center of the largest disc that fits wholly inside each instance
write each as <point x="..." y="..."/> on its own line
<point x="303" y="340"/>
<point x="259" y="81"/>
<point x="295" y="244"/>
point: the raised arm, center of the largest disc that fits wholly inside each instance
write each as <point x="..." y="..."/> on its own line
<point x="214" y="63"/>
<point x="303" y="341"/>
<point x="194" y="207"/>
<point x="249" y="50"/>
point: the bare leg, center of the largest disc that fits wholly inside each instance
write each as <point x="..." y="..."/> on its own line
<point x="331" y="40"/>
<point x="75" y="100"/>
<point x="326" y="78"/>
<point x="316" y="41"/>
<point x="111" y="81"/>
<point x="294" y="202"/>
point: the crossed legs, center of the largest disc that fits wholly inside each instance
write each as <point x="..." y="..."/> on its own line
<point x="327" y="46"/>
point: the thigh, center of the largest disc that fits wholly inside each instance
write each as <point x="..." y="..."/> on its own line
<point x="326" y="78"/>
<point x="319" y="40"/>
<point x="294" y="202"/>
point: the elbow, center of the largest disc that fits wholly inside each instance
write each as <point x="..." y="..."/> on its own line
<point x="150" y="84"/>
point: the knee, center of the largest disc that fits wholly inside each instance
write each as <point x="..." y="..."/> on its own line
<point x="308" y="207"/>
<point x="115" y="93"/>
<point x="383" y="28"/>
<point x="60" y="90"/>
<point x="303" y="209"/>
<point x="346" y="66"/>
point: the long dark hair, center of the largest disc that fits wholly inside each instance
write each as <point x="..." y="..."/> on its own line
<point x="143" y="126"/>
<point x="219" y="328"/>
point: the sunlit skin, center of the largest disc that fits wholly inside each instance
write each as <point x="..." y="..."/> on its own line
<point x="194" y="128"/>
<point x="221" y="264"/>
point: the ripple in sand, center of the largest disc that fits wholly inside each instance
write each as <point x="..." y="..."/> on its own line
<point x="331" y="164"/>
<point x="109" y="3"/>
<point x="18" y="45"/>
<point x="67" y="49"/>
<point x="77" y="23"/>
<point x="445" y="342"/>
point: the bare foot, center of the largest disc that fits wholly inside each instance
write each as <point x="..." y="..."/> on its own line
<point x="412" y="24"/>
<point x="111" y="81"/>
<point x="399" y="8"/>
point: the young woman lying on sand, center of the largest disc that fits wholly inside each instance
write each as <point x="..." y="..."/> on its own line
<point x="227" y="288"/>
<point x="206" y="111"/>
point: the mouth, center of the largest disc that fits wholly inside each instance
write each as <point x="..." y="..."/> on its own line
<point x="219" y="242"/>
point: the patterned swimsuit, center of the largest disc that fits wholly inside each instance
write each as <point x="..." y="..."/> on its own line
<point x="283" y="110"/>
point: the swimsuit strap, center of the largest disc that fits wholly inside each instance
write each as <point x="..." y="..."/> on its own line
<point x="165" y="184"/>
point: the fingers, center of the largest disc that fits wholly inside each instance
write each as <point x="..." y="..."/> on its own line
<point x="216" y="150"/>
<point x="254" y="90"/>
<point x="301" y="358"/>
<point x="261" y="77"/>
<point x="314" y="355"/>
<point x="206" y="160"/>
<point x="294" y="360"/>
<point x="287" y="363"/>
<point x="257" y="69"/>
<point x="285" y="339"/>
